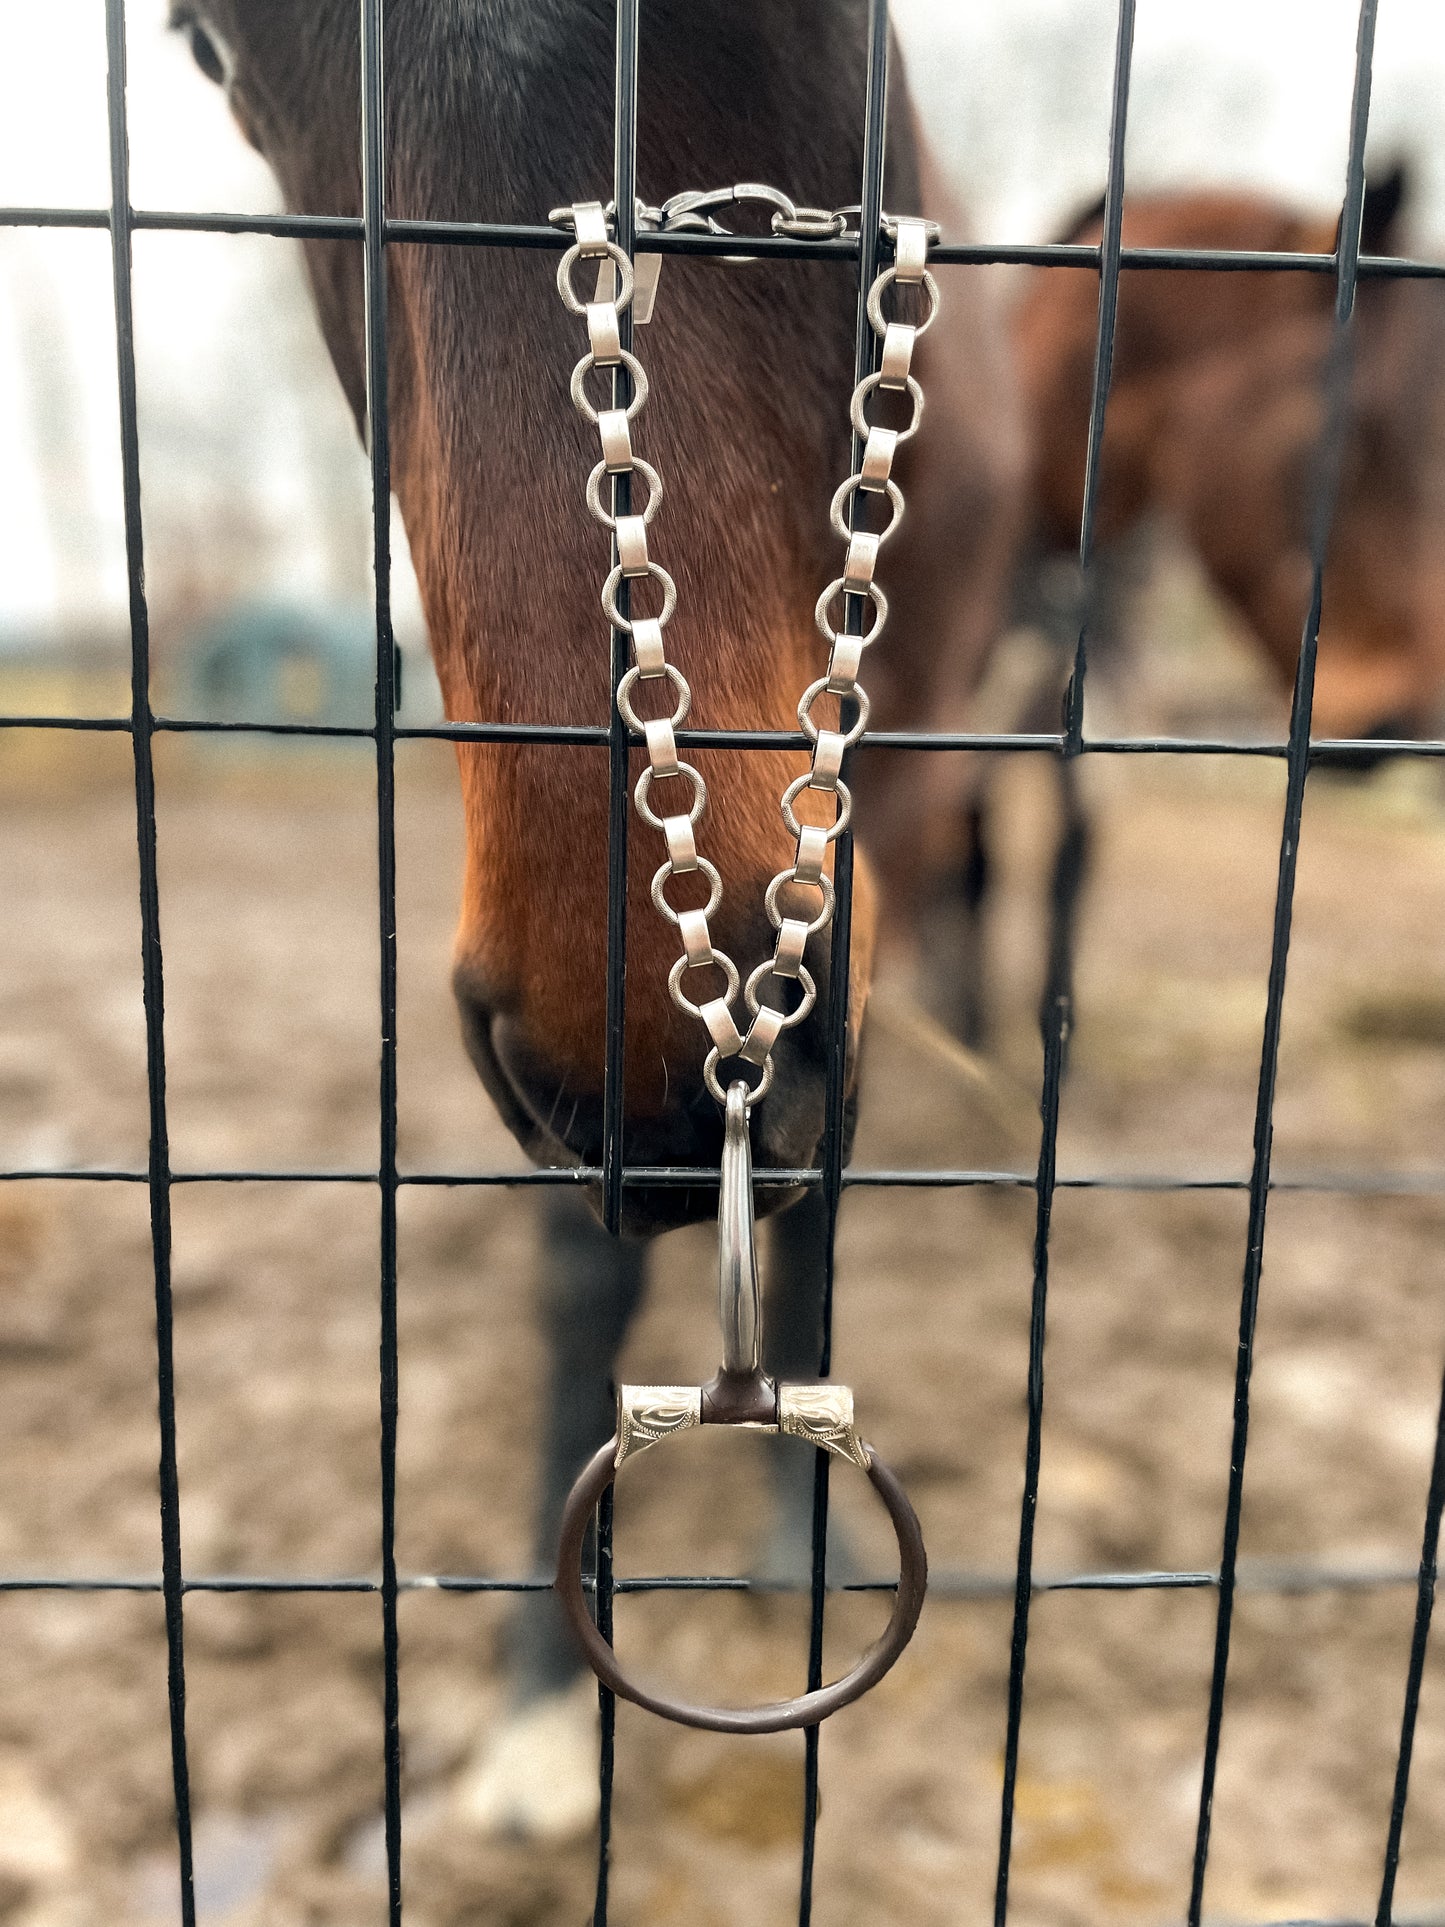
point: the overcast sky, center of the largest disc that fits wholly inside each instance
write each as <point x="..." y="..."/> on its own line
<point x="1014" y="92"/>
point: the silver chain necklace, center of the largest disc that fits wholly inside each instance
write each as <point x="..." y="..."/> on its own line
<point x="614" y="425"/>
<point x="741" y="1393"/>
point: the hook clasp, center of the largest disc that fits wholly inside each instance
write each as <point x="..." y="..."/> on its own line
<point x="739" y="1297"/>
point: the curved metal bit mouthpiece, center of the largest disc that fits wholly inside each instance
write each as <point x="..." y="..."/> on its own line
<point x="739" y="1303"/>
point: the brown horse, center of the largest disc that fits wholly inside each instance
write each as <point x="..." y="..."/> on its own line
<point x="499" y="111"/>
<point x="1213" y="421"/>
<point x="1213" y="424"/>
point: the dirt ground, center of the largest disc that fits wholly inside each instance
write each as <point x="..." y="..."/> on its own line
<point x="267" y="880"/>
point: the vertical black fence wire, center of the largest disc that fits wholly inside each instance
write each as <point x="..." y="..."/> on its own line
<point x="373" y="231"/>
<point x="607" y="1706"/>
<point x="875" y="139"/>
<point x="624" y="196"/>
<point x="1326" y="469"/>
<point x="1057" y="1013"/>
<point x="378" y="437"/>
<point x="1419" y="1644"/>
<point x="152" y="978"/>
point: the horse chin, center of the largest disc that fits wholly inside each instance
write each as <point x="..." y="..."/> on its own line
<point x="568" y="1132"/>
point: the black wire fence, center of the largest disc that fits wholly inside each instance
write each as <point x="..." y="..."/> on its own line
<point x="860" y="254"/>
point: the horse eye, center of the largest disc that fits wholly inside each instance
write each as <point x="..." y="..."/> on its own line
<point x="204" y="52"/>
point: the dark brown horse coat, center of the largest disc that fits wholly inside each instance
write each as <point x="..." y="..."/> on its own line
<point x="1214" y="419"/>
<point x="500" y="111"/>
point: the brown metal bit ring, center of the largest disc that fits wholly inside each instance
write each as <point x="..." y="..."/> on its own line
<point x="781" y="1715"/>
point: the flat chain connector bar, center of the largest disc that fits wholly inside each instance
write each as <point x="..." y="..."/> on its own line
<point x="667" y="773"/>
<point x="741" y="1394"/>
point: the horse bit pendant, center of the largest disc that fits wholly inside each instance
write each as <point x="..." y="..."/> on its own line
<point x="741" y="1393"/>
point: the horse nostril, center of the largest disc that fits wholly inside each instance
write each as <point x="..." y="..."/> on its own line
<point x="484" y="1034"/>
<point x="557" y="1115"/>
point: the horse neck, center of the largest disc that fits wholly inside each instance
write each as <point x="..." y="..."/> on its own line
<point x="750" y="366"/>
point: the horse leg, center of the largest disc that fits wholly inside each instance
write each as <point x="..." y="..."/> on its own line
<point x="1101" y="611"/>
<point x="792" y="1347"/>
<point x="953" y="932"/>
<point x="535" y="1775"/>
<point x="1072" y="855"/>
<point x="976" y="886"/>
<point x="592" y="1284"/>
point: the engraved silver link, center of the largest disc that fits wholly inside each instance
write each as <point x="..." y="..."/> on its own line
<point x="799" y="829"/>
<point x="860" y="561"/>
<point x="714" y="896"/>
<point x="634" y="408"/>
<point x="897" y="359"/>
<point x="781" y="881"/>
<point x="630" y="681"/>
<point x="844" y="664"/>
<point x="615" y="427"/>
<point x="631" y="533"/>
<point x="710" y="1076"/>
<point x="684" y="1002"/>
<point x="649" y="474"/>
<point x="768" y="1023"/>
<point x="820" y="688"/>
<point x="910" y="249"/>
<point x="812" y="223"/>
<point x="878" y="452"/>
<point x="813" y="841"/>
<point x="885" y="281"/>
<point x="844" y="493"/>
<point x="602" y="333"/>
<point x="696" y="937"/>
<point x="583" y="252"/>
<point x="661" y="747"/>
<point x="828" y="752"/>
<point x="788" y="951"/>
<point x="624" y="623"/>
<point x="643" y="788"/>
<point x="763" y="1032"/>
<point x="681" y="844"/>
<point x="860" y="421"/>
<point x="805" y="1004"/>
<point x="590" y="224"/>
<point x="647" y="648"/>
<point x="835" y="588"/>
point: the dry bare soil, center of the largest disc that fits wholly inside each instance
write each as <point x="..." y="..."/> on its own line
<point x="268" y="868"/>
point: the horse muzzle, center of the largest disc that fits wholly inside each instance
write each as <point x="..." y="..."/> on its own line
<point x="558" y="1117"/>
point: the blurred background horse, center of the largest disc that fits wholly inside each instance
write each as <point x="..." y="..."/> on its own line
<point x="1214" y="416"/>
<point x="1211" y="435"/>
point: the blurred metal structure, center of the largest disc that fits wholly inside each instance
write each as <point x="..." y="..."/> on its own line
<point x="858" y="260"/>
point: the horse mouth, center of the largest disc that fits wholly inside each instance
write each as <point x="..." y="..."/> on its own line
<point x="567" y="1130"/>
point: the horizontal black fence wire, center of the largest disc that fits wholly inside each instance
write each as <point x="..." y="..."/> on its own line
<point x="1286" y="1578"/>
<point x="375" y="231"/>
<point x="498" y="234"/>
<point x="1398" y="1184"/>
<point x="596" y="735"/>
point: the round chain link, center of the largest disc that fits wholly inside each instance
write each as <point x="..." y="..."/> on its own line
<point x="654" y="498"/>
<point x="590" y="222"/>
